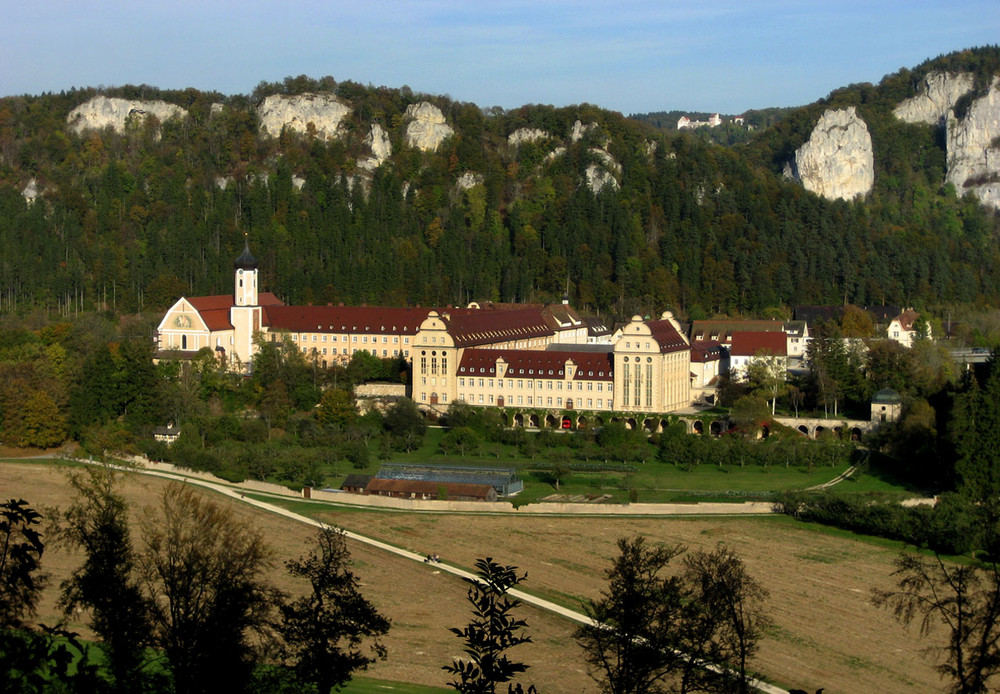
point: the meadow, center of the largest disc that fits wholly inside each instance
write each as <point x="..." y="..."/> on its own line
<point x="825" y="633"/>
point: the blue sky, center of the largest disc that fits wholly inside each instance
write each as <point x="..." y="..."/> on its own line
<point x="631" y="56"/>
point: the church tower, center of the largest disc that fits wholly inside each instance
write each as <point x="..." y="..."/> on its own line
<point x="245" y="314"/>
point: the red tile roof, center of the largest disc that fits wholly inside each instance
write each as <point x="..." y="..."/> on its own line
<point x="749" y="344"/>
<point x="706" y="351"/>
<point x="214" y="310"/>
<point x="453" y="490"/>
<point x="527" y="363"/>
<point x="378" y="320"/>
<point x="723" y="330"/>
<point x="473" y="328"/>
<point x="667" y="336"/>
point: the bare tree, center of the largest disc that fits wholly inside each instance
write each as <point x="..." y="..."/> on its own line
<point x="966" y="600"/>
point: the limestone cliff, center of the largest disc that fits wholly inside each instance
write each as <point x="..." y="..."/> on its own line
<point x="378" y="140"/>
<point x="427" y="128"/>
<point x="837" y="161"/>
<point x="325" y="112"/>
<point x="598" y="178"/>
<point x="936" y="97"/>
<point x="974" y="148"/>
<point x="102" y="112"/>
<point x="522" y="135"/>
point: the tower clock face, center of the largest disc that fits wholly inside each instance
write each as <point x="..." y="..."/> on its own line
<point x="182" y="321"/>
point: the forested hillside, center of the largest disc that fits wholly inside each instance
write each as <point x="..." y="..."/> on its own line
<point x="131" y="220"/>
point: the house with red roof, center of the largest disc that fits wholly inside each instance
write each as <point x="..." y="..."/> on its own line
<point x="749" y="345"/>
<point x="903" y="328"/>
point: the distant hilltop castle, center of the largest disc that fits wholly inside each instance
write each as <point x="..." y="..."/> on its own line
<point x="713" y="121"/>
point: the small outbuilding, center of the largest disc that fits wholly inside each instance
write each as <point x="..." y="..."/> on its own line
<point x="886" y="406"/>
<point x="425" y="490"/>
<point x="355" y="484"/>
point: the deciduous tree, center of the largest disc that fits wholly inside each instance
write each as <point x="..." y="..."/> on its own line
<point x="204" y="572"/>
<point x="492" y="632"/>
<point x="966" y="601"/>
<point x="333" y="630"/>
<point x="630" y="645"/>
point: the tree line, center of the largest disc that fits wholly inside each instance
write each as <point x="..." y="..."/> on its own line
<point x="130" y="221"/>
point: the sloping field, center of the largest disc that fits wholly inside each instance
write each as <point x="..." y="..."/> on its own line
<point x="825" y="633"/>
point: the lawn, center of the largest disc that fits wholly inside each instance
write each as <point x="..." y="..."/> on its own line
<point x="651" y="481"/>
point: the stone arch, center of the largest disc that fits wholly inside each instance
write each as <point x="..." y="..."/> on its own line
<point x="519" y="420"/>
<point x="698" y="427"/>
<point x="818" y="430"/>
<point x="664" y="425"/>
<point x="649" y="425"/>
<point x="582" y="422"/>
<point x="551" y="422"/>
<point x="765" y="431"/>
<point x="566" y="422"/>
<point x="716" y="428"/>
<point x="803" y="429"/>
<point x="533" y="421"/>
<point x="598" y="422"/>
<point x="856" y="434"/>
<point x="630" y="423"/>
<point x="505" y="419"/>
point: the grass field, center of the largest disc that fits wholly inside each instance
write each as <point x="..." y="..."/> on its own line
<point x="652" y="481"/>
<point x="825" y="632"/>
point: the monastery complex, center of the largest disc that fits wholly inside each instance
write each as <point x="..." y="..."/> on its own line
<point x="517" y="356"/>
<point x="502" y="355"/>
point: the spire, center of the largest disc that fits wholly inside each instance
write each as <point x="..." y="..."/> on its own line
<point x="246" y="261"/>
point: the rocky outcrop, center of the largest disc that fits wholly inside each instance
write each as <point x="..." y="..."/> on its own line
<point x="936" y="97"/>
<point x="606" y="159"/>
<point x="325" y="112"/>
<point x="470" y="179"/>
<point x="378" y="141"/>
<point x="837" y="161"/>
<point x="102" y="112"/>
<point x="427" y="128"/>
<point x="598" y="178"/>
<point x="580" y="130"/>
<point x="974" y="148"/>
<point x="522" y="135"/>
<point x="30" y="192"/>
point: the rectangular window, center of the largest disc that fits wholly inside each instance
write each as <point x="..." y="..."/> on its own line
<point x="600" y="403"/>
<point x="520" y="399"/>
<point x="550" y="400"/>
<point x="354" y="338"/>
<point x="461" y="383"/>
<point x="590" y="402"/>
